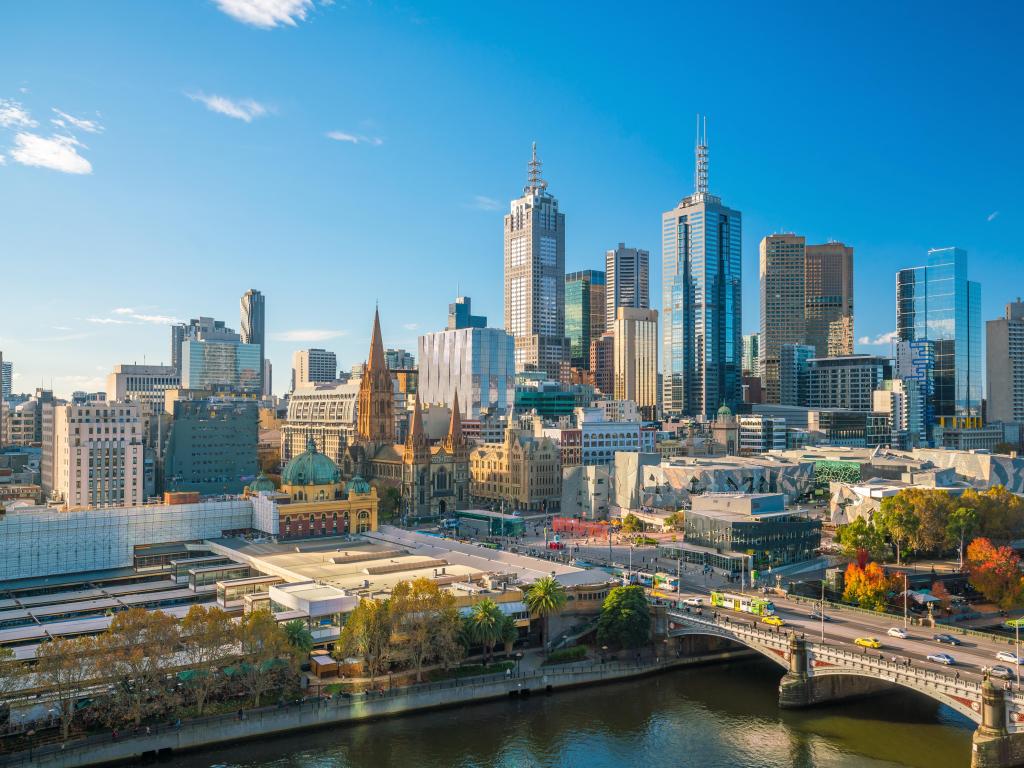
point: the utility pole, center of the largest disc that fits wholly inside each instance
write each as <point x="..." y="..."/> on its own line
<point x="905" y="591"/>
<point x="821" y="610"/>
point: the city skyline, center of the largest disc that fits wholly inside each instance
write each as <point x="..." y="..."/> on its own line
<point x="257" y="177"/>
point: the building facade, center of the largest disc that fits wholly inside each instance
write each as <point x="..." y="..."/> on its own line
<point x="253" y="311"/>
<point x="627" y="279"/>
<point x="828" y="291"/>
<point x="145" y="384"/>
<point x="312" y="366"/>
<point x="523" y="472"/>
<point x="535" y="278"/>
<point x="903" y="401"/>
<point x="752" y="354"/>
<point x="399" y="360"/>
<point x="325" y="412"/>
<point x="602" y="363"/>
<point x="847" y="382"/>
<point x="701" y="301"/>
<point x="211" y="446"/>
<point x="6" y="378"/>
<point x="1004" y="365"/>
<point x="782" y="293"/>
<point x="584" y="313"/>
<point x="794" y="373"/>
<point x="636" y="359"/>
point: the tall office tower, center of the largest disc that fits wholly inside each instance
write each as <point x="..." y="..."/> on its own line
<point x="179" y="332"/>
<point x="902" y="400"/>
<point x="254" y="317"/>
<point x="399" y="359"/>
<point x="701" y="301"/>
<point x="97" y="453"/>
<point x="535" y="278"/>
<point x="313" y="365"/>
<point x="474" y="363"/>
<point x="636" y="359"/>
<point x="915" y="361"/>
<point x="211" y="445"/>
<point x="584" y="313"/>
<point x="602" y="362"/>
<point x="828" y="305"/>
<point x="782" y="304"/>
<point x="752" y="354"/>
<point x="846" y="382"/>
<point x="794" y="373"/>
<point x="460" y="315"/>
<point x="936" y="302"/>
<point x="6" y="377"/>
<point x="627" y="273"/>
<point x="1004" y="365"/>
<point x="214" y="357"/>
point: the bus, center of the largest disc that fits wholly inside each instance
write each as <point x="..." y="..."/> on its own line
<point x="745" y="603"/>
<point x="666" y="582"/>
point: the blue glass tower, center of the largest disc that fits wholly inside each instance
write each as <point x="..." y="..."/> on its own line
<point x="938" y="304"/>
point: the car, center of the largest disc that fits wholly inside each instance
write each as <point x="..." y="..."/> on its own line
<point x="1004" y="673"/>
<point x="867" y="642"/>
<point x="1009" y="658"/>
<point x="693" y="602"/>
<point x="817" y="616"/>
<point x="775" y="621"/>
<point x="944" y="638"/>
<point x="898" y="632"/>
<point x="942" y="658"/>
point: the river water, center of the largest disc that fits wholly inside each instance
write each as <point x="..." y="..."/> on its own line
<point x="722" y="716"/>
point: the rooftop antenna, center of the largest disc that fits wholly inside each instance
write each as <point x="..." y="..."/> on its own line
<point x="700" y="176"/>
<point x="535" y="181"/>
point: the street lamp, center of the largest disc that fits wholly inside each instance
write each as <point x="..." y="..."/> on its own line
<point x="1016" y="645"/>
<point x="821" y="610"/>
<point x="905" y="591"/>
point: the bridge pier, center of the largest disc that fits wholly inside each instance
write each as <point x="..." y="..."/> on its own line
<point x="992" y="745"/>
<point x="798" y="689"/>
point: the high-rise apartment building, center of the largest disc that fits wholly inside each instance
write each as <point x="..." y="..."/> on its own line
<point x="253" y="320"/>
<point x="1004" y="365"/>
<point x="399" y="360"/>
<point x="475" y="363"/>
<point x="636" y="359"/>
<point x="903" y="401"/>
<point x="584" y="313"/>
<point x="937" y="303"/>
<point x="221" y="365"/>
<point x="701" y="301"/>
<point x="602" y="362"/>
<point x="752" y="354"/>
<point x="782" y="304"/>
<point x="847" y="382"/>
<point x="535" y="278"/>
<point x="310" y="366"/>
<point x="828" y="290"/>
<point x="97" y="453"/>
<point x="211" y="445"/>
<point x="794" y="373"/>
<point x="6" y="378"/>
<point x="627" y="276"/>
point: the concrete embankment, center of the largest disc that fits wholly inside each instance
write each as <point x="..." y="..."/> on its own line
<point x="259" y="723"/>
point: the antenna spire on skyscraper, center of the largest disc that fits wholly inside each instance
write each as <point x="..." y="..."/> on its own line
<point x="700" y="175"/>
<point x="535" y="181"/>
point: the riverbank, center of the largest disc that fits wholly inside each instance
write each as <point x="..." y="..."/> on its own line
<point x="343" y="710"/>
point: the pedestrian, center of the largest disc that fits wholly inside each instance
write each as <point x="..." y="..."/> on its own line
<point x="239" y="714"/>
<point x="114" y="734"/>
<point x="148" y="731"/>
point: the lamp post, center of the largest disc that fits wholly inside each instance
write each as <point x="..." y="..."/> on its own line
<point x="1016" y="652"/>
<point x="905" y="591"/>
<point x="821" y="610"/>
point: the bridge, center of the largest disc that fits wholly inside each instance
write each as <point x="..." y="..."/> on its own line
<point x="819" y="672"/>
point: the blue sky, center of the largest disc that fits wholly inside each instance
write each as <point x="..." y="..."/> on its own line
<point x="335" y="155"/>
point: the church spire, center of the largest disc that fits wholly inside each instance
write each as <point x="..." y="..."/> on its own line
<point x="454" y="438"/>
<point x="417" y="438"/>
<point x="376" y="408"/>
<point x="377" y="358"/>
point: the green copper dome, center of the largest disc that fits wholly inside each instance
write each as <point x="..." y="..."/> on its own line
<point x="357" y="485"/>
<point x="262" y="483"/>
<point x="310" y="468"/>
<point x="725" y="411"/>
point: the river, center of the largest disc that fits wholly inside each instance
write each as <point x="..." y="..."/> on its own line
<point x="723" y="716"/>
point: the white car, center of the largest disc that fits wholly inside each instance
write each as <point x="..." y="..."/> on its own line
<point x="898" y="632"/>
<point x="1009" y="658"/>
<point x="694" y="602"/>
<point x="942" y="658"/>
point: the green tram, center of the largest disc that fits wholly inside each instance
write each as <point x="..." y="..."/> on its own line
<point x="745" y="603"/>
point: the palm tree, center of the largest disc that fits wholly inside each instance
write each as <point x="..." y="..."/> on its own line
<point x="544" y="598"/>
<point x="485" y="625"/>
<point x="509" y="633"/>
<point x="299" y="638"/>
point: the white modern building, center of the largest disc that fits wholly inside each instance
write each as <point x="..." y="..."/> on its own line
<point x="1004" y="365"/>
<point x="903" y="400"/>
<point x="758" y="434"/>
<point x="311" y="366"/>
<point x="600" y="439"/>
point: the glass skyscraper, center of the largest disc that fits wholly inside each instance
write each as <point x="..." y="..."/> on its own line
<point x="938" y="304"/>
<point x="584" y="313"/>
<point x="701" y="281"/>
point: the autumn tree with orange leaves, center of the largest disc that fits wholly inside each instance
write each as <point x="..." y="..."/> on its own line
<point x="868" y="586"/>
<point x="995" y="572"/>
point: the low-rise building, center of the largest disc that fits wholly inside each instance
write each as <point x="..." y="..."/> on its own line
<point x="523" y="472"/>
<point x="586" y="492"/>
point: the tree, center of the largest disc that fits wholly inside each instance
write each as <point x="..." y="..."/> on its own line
<point x="207" y="638"/>
<point x="263" y="644"/>
<point x="138" y="650"/>
<point x="299" y="638"/>
<point x="12" y="672"/>
<point x="995" y="572"/>
<point x="485" y="625"/>
<point x="961" y="525"/>
<point x="1000" y="513"/>
<point x="64" y="666"/>
<point x="858" y="535"/>
<point x="367" y="634"/>
<point x="389" y="503"/>
<point x="897" y="520"/>
<point x="508" y="633"/>
<point x="676" y="520"/>
<point x="933" y="508"/>
<point x="425" y="623"/>
<point x="940" y="592"/>
<point x="545" y="597"/>
<point x="631" y="523"/>
<point x="625" y="620"/>
<point x="868" y="587"/>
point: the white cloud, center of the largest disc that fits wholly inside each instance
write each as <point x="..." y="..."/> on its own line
<point x="240" y="109"/>
<point x="879" y="341"/>
<point x="352" y="138"/>
<point x="992" y="216"/>
<point x="483" y="203"/>
<point x="410" y="326"/>
<point x="124" y="311"/>
<point x="63" y="119"/>
<point x="266" y="14"/>
<point x="58" y="153"/>
<point x="309" y="334"/>
<point x="13" y="115"/>
<point x="128" y="316"/>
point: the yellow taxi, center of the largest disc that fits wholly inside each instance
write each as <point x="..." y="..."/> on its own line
<point x="867" y="642"/>
<point x="775" y="621"/>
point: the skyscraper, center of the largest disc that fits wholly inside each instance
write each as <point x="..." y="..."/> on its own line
<point x="701" y="300"/>
<point x="627" y="280"/>
<point x="584" y="313"/>
<point x="828" y="292"/>
<point x="794" y="373"/>
<point x="313" y="365"/>
<point x="253" y="314"/>
<point x="1004" y="364"/>
<point x="752" y="354"/>
<point x="460" y="315"/>
<point x="535" y="278"/>
<point x="936" y="302"/>
<point x="636" y="359"/>
<point x="782" y="304"/>
<point x="6" y="378"/>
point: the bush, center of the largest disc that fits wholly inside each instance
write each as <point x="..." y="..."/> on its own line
<point x="564" y="655"/>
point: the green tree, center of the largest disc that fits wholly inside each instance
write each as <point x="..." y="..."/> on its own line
<point x="367" y="634"/>
<point x="485" y="625"/>
<point x="897" y="520"/>
<point x="299" y="638"/>
<point x="1000" y="513"/>
<point x="65" y="666"/>
<point x="861" y="535"/>
<point x="425" y="623"/>
<point x="207" y="639"/>
<point x="625" y="620"/>
<point x="389" y="503"/>
<point x="264" y="646"/>
<point x="961" y="526"/>
<point x="508" y="633"/>
<point x="138" y="650"/>
<point x="631" y="523"/>
<point x="1004" y="448"/>
<point x="545" y="598"/>
<point x="676" y="520"/>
